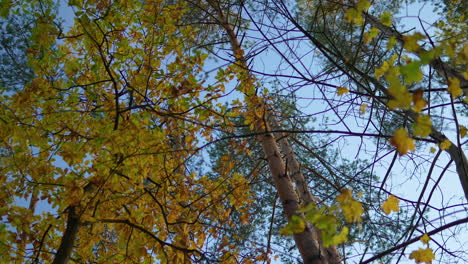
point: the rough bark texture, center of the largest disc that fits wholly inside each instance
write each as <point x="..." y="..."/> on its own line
<point x="68" y="239"/>
<point x="308" y="241"/>
<point x="302" y="188"/>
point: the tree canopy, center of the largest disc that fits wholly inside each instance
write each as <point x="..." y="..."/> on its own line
<point x="308" y="131"/>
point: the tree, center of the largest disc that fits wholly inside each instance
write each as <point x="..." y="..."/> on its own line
<point x="112" y="130"/>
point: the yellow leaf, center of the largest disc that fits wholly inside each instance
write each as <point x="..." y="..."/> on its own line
<point x="368" y="36"/>
<point x="433" y="149"/>
<point x="352" y="211"/>
<point x="391" y="205"/>
<point x="363" y="5"/>
<point x="296" y="225"/>
<point x="354" y="16"/>
<point x="454" y="87"/>
<point x="462" y="131"/>
<point x="445" y="144"/>
<point x="385" y="66"/>
<point x="411" y="41"/>
<point x="391" y="42"/>
<point x="346" y="194"/>
<point x="341" y="90"/>
<point x="464" y="52"/>
<point x="386" y="19"/>
<point x="422" y="255"/>
<point x="363" y="108"/>
<point x="381" y="71"/>
<point x="418" y="101"/>
<point x="402" y="142"/>
<point x="425" y="239"/>
<point x="340" y="238"/>
<point x="401" y="97"/>
<point x="423" y="126"/>
<point x="351" y="208"/>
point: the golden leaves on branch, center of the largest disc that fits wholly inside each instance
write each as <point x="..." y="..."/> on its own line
<point x="423" y="255"/>
<point x="362" y="108"/>
<point x="351" y="208"/>
<point x="354" y="15"/>
<point x="463" y="131"/>
<point x="411" y="41"/>
<point x="295" y="225"/>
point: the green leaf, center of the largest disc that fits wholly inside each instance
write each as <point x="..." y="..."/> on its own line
<point x="296" y="225"/>
<point x="411" y="41"/>
<point x="423" y="126"/>
<point x="5" y="7"/>
<point x="412" y="72"/>
<point x="386" y="18"/>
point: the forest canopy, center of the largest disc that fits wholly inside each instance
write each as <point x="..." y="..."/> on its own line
<point x="212" y="131"/>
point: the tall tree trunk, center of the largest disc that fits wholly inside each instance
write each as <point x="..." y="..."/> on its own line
<point x="308" y="241"/>
<point x="302" y="188"/>
<point x="68" y="239"/>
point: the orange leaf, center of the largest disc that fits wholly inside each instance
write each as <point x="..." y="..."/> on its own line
<point x="418" y="101"/>
<point x="342" y="90"/>
<point x="402" y="142"/>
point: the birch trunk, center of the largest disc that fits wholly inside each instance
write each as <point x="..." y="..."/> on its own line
<point x="307" y="242"/>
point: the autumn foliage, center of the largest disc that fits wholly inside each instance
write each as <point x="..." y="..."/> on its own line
<point x="146" y="132"/>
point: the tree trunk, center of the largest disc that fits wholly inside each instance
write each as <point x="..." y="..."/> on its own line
<point x="302" y="188"/>
<point x="307" y="242"/>
<point x="68" y="239"/>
